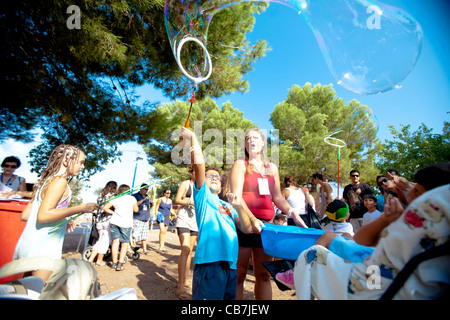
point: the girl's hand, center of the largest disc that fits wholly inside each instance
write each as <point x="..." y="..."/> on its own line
<point x="70" y="226"/>
<point x="393" y="209"/>
<point x="90" y="207"/>
<point x="394" y="178"/>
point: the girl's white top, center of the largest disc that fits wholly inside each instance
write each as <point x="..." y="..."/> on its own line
<point x="37" y="239"/>
<point x="297" y="200"/>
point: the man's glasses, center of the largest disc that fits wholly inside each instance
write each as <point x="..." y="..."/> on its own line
<point x="355" y="175"/>
<point x="10" y="166"/>
<point x="380" y="183"/>
<point x="213" y="176"/>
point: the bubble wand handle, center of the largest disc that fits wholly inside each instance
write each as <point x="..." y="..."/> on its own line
<point x="186" y="125"/>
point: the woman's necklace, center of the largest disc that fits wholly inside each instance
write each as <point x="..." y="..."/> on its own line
<point x="9" y="180"/>
<point x="261" y="172"/>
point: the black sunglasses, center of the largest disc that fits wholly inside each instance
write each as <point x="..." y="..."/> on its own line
<point x="380" y="183"/>
<point x="355" y="175"/>
<point x="10" y="166"/>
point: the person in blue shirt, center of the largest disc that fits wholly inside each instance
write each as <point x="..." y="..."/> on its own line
<point x="215" y="276"/>
<point x="142" y="217"/>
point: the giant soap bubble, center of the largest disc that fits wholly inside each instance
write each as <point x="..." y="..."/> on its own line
<point x="369" y="47"/>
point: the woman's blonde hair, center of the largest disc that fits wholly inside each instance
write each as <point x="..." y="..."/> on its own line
<point x="250" y="166"/>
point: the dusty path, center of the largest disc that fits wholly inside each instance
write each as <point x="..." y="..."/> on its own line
<point x="154" y="276"/>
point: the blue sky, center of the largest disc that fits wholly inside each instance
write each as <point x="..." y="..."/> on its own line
<point x="295" y="58"/>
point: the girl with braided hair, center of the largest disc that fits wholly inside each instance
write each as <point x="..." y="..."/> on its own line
<point x="50" y="204"/>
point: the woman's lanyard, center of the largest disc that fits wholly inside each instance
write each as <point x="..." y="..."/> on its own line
<point x="7" y="183"/>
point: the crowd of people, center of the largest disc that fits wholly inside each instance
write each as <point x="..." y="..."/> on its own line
<point x="224" y="214"/>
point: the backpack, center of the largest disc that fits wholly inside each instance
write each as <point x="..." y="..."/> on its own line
<point x="72" y="279"/>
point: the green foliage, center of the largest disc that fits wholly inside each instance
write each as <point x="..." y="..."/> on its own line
<point x="77" y="85"/>
<point x="207" y="119"/>
<point x="411" y="151"/>
<point x="75" y="187"/>
<point x="305" y="118"/>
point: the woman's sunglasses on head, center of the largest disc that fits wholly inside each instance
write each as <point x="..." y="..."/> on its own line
<point x="380" y="183"/>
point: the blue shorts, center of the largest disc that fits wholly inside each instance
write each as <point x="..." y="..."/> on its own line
<point x="214" y="281"/>
<point x="349" y="250"/>
<point x="122" y="233"/>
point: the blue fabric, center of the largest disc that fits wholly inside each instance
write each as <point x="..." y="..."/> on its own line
<point x="164" y="212"/>
<point x="217" y="238"/>
<point x="144" y="208"/>
<point x="214" y="281"/>
<point x="122" y="233"/>
<point x="349" y="250"/>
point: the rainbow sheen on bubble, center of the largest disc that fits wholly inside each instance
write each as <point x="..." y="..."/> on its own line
<point x="362" y="127"/>
<point x="369" y="47"/>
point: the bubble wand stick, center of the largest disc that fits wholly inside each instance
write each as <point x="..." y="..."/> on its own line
<point x="186" y="125"/>
<point x="341" y="144"/>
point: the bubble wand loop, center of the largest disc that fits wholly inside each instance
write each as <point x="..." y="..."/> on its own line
<point x="335" y="142"/>
<point x="143" y="185"/>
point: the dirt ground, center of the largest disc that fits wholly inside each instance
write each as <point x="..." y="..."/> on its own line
<point x="154" y="276"/>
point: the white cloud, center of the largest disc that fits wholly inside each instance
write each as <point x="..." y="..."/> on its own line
<point x="120" y="171"/>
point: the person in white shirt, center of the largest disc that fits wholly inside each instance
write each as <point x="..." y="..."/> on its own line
<point x="370" y="202"/>
<point x="120" y="224"/>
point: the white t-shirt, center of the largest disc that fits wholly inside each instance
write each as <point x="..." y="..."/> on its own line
<point x="123" y="211"/>
<point x="370" y="216"/>
<point x="338" y="228"/>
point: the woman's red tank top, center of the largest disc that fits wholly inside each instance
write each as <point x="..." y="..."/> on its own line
<point x="260" y="205"/>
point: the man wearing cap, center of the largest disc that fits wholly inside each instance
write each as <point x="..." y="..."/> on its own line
<point x="142" y="217"/>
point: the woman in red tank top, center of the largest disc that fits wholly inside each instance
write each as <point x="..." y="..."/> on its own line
<point x="258" y="182"/>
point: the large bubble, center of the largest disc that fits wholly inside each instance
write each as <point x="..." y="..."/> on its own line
<point x="369" y="47"/>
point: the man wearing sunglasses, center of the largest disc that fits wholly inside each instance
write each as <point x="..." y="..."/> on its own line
<point x="353" y="195"/>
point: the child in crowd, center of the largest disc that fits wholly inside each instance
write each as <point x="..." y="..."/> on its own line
<point x="336" y="214"/>
<point x="281" y="219"/>
<point x="370" y="202"/>
<point x="333" y="223"/>
<point x="121" y="224"/>
<point x="49" y="205"/>
<point x="218" y="246"/>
